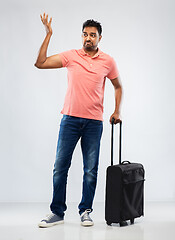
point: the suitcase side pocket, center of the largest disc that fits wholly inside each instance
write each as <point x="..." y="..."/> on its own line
<point x="133" y="197"/>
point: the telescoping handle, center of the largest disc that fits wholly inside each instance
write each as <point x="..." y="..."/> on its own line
<point x="112" y="141"/>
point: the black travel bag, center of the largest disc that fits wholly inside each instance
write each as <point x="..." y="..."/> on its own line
<point x="124" y="189"/>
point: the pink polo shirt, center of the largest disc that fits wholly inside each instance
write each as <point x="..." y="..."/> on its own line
<point x="86" y="82"/>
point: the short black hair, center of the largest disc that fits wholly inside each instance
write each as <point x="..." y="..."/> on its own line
<point x="93" y="23"/>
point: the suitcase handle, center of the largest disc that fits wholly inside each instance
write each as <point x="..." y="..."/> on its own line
<point x="120" y="140"/>
<point x="126" y="162"/>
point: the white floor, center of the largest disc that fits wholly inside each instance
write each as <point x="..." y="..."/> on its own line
<point x="18" y="221"/>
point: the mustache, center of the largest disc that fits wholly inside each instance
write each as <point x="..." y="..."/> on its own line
<point x="88" y="41"/>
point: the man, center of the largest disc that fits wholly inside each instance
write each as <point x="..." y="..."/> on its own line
<point x="82" y="115"/>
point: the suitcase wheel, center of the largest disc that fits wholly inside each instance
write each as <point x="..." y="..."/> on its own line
<point x="132" y="221"/>
<point x="123" y="224"/>
<point x="108" y="223"/>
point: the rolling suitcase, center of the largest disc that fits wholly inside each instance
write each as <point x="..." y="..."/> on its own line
<point x="124" y="189"/>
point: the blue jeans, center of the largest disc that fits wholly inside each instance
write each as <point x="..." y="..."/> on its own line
<point x="71" y="130"/>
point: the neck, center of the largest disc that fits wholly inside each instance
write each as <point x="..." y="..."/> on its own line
<point x="92" y="52"/>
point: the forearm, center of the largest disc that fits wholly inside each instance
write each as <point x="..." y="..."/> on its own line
<point x="42" y="56"/>
<point x="118" y="98"/>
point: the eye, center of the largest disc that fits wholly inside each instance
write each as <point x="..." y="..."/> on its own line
<point x="93" y="35"/>
<point x="84" y="34"/>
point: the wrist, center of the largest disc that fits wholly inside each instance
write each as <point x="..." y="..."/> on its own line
<point x="49" y="34"/>
<point x="117" y="112"/>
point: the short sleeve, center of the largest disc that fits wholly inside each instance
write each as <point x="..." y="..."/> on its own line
<point x="113" y="71"/>
<point x="66" y="57"/>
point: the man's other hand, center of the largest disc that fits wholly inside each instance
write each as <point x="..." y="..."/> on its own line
<point x="116" y="117"/>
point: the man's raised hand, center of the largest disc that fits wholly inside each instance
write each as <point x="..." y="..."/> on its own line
<point x="47" y="24"/>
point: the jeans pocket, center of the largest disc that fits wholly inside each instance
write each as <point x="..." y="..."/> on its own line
<point x="65" y="117"/>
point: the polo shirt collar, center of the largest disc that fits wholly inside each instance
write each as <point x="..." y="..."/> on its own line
<point x="86" y="54"/>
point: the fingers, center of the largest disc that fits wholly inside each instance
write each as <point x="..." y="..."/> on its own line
<point x="115" y="121"/>
<point x="115" y="118"/>
<point x="50" y="20"/>
<point x="44" y="19"/>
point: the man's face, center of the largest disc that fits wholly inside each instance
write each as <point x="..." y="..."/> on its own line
<point x="90" y="38"/>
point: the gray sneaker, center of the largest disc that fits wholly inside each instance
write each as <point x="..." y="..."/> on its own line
<point x="51" y="220"/>
<point x="85" y="218"/>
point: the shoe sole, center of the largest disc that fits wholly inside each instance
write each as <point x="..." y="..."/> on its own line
<point x="46" y="225"/>
<point x="87" y="224"/>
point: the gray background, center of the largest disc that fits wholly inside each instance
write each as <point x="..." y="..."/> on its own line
<point x="140" y="35"/>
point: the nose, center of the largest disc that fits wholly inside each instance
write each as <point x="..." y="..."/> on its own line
<point x="88" y="37"/>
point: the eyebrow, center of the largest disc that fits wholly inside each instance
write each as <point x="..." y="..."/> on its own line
<point x="90" y="32"/>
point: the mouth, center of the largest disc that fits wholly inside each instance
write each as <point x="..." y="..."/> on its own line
<point x="88" y="43"/>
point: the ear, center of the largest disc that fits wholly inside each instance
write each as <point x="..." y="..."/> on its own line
<point x="100" y="38"/>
